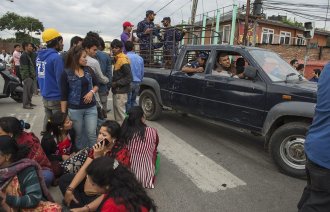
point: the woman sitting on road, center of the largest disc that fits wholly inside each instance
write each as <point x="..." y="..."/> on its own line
<point x="122" y="192"/>
<point x="108" y="144"/>
<point x="15" y="128"/>
<point x="142" y="142"/>
<point x="21" y="182"/>
<point x="58" y="140"/>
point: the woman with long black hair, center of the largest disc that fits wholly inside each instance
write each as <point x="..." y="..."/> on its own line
<point x="142" y="142"/>
<point x="21" y="182"/>
<point x="122" y="192"/>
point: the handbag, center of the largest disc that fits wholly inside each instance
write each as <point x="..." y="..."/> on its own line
<point x="157" y="164"/>
<point x="75" y="162"/>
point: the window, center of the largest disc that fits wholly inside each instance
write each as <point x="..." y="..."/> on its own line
<point x="192" y="56"/>
<point x="300" y="40"/>
<point x="267" y="36"/>
<point x="285" y="37"/>
<point x="225" y="34"/>
<point x="229" y="64"/>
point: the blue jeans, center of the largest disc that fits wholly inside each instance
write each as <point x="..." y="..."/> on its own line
<point x="131" y="97"/>
<point x="48" y="176"/>
<point x="84" y="124"/>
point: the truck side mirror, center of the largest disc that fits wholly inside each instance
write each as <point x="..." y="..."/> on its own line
<point x="250" y="72"/>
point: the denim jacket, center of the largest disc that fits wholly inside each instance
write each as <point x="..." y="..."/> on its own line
<point x="75" y="86"/>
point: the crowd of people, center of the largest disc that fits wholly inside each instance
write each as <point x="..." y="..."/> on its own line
<point x="117" y="158"/>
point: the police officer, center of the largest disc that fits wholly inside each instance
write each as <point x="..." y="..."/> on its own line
<point x="146" y="31"/>
<point x="197" y="66"/>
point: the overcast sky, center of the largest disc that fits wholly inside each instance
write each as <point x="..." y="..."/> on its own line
<point x="77" y="17"/>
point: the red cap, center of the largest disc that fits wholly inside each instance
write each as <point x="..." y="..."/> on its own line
<point x="127" y="24"/>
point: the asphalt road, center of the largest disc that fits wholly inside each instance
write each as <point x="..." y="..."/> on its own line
<point x="204" y="167"/>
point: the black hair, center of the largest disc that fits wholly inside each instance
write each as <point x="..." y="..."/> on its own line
<point x="8" y="146"/>
<point x="24" y="44"/>
<point x="16" y="45"/>
<point x="75" y="40"/>
<point x="73" y="56"/>
<point x="54" y="42"/>
<point x="129" y="46"/>
<point x="124" y="188"/>
<point x="102" y="44"/>
<point x="293" y="61"/>
<point x="12" y="125"/>
<point x="317" y="71"/>
<point x="300" y="67"/>
<point x="116" y="44"/>
<point x="55" y="124"/>
<point x="89" y="42"/>
<point x="113" y="128"/>
<point x="93" y="34"/>
<point x="133" y="127"/>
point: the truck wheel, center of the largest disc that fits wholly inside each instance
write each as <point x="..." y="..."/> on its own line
<point x="286" y="147"/>
<point x="149" y="103"/>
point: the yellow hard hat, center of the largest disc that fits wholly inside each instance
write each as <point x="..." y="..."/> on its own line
<point x="49" y="34"/>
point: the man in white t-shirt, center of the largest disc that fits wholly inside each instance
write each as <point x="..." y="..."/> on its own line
<point x="16" y="56"/>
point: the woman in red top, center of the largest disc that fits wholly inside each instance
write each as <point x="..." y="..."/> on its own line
<point x="122" y="192"/>
<point x="72" y="185"/>
<point x="15" y="128"/>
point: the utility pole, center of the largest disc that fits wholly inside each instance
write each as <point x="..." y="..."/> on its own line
<point x="246" y="26"/>
<point x="193" y="11"/>
<point x="326" y="16"/>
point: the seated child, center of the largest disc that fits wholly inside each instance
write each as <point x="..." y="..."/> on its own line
<point x="57" y="141"/>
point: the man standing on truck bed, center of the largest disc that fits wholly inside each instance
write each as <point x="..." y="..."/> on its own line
<point x="172" y="36"/>
<point x="146" y="30"/>
<point x="316" y="195"/>
<point x="197" y="66"/>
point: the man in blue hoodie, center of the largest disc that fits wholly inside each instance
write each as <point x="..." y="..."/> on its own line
<point x="316" y="195"/>
<point x="49" y="70"/>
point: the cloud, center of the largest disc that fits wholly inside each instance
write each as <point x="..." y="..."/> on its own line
<point x="73" y="17"/>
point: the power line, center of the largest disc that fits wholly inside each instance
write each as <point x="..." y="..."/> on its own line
<point x="165" y="6"/>
<point x="185" y="4"/>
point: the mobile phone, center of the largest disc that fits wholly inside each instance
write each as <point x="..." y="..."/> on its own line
<point x="105" y="141"/>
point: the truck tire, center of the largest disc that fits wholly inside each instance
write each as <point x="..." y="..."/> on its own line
<point x="150" y="105"/>
<point x="286" y="146"/>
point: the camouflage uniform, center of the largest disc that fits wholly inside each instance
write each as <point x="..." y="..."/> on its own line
<point x="146" y="40"/>
<point x="171" y="40"/>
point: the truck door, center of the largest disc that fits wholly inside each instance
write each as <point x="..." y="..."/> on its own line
<point x="187" y="89"/>
<point x="232" y="99"/>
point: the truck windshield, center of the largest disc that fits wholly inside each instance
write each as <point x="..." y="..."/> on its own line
<point x="275" y="67"/>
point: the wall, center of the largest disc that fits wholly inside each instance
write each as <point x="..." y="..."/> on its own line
<point x="9" y="47"/>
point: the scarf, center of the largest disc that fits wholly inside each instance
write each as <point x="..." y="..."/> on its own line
<point x="121" y="59"/>
<point x="7" y="174"/>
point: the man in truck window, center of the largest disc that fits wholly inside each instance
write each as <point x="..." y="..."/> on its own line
<point x="197" y="66"/>
<point x="223" y="67"/>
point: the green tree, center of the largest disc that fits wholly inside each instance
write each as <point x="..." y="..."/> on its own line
<point x="22" y="25"/>
<point x="292" y="23"/>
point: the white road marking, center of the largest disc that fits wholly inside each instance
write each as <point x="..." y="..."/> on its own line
<point x="204" y="172"/>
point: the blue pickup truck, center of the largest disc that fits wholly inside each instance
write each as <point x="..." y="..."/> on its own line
<point x="270" y="99"/>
